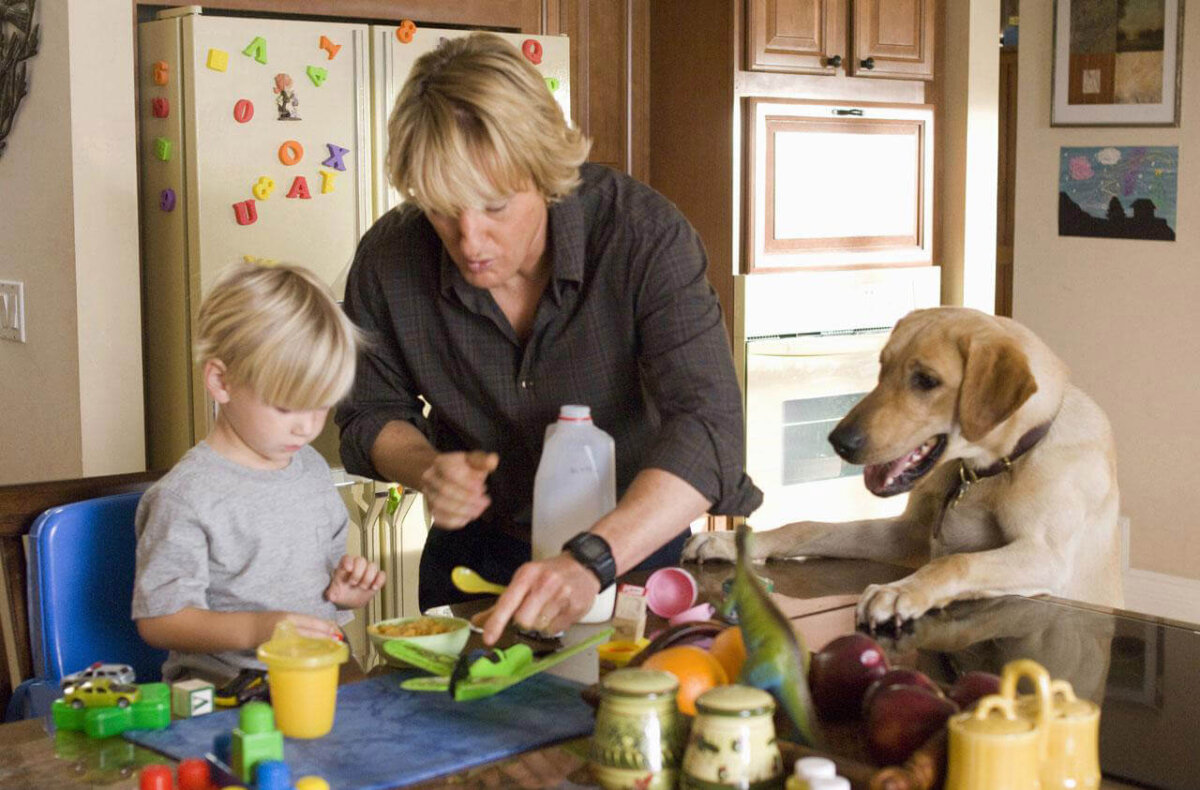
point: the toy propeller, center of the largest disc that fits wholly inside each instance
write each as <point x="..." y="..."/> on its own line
<point x="475" y="677"/>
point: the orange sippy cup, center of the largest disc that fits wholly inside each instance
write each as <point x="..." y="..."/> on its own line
<point x="303" y="675"/>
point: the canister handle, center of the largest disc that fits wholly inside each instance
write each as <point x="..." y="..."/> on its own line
<point x="1024" y="667"/>
<point x="1062" y="688"/>
<point x="995" y="702"/>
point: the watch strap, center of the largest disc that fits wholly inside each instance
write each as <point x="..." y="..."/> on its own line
<point x="593" y="552"/>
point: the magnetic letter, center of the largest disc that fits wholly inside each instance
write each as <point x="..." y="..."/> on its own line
<point x="532" y="49"/>
<point x="257" y="49"/>
<point x="336" y="152"/>
<point x="162" y="148"/>
<point x="404" y="33"/>
<point x="245" y="212"/>
<point x="329" y="46"/>
<point x="316" y="74"/>
<point x="160" y="107"/>
<point x="166" y="199"/>
<point x="291" y="152"/>
<point x="552" y="83"/>
<point x="263" y="188"/>
<point x="243" y="111"/>
<point x="299" y="189"/>
<point x="218" y="59"/>
<point x="327" y="177"/>
<point x="161" y="72"/>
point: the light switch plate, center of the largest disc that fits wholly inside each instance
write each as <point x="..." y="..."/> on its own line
<point x="12" y="311"/>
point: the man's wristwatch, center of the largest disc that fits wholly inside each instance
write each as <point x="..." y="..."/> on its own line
<point x="593" y="553"/>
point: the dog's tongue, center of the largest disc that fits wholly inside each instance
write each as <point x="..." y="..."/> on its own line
<point x="875" y="476"/>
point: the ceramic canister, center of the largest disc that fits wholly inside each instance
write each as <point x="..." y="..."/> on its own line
<point x="993" y="752"/>
<point x="732" y="744"/>
<point x="1072" y="760"/>
<point x="639" y="732"/>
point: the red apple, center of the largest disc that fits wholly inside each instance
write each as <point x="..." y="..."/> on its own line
<point x="902" y="718"/>
<point x="839" y="674"/>
<point x="898" y="677"/>
<point x="969" y="687"/>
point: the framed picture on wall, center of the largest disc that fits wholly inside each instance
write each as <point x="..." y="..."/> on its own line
<point x="1117" y="62"/>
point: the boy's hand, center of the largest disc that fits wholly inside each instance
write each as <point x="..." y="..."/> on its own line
<point x="307" y="625"/>
<point x="355" y="582"/>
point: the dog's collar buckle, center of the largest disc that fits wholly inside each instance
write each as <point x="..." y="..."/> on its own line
<point x="966" y="478"/>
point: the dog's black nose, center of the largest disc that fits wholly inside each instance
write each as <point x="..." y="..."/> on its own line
<point x="847" y="441"/>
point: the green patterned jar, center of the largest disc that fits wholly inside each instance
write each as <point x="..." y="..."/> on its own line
<point x="732" y="744"/>
<point x="639" y="733"/>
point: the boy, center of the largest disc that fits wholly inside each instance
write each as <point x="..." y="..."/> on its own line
<point x="247" y="529"/>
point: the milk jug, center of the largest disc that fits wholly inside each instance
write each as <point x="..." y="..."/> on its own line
<point x="576" y="484"/>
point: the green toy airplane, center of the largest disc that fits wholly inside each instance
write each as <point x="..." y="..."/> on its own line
<point x="468" y="679"/>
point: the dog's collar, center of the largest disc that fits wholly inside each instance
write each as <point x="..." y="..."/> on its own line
<point x="968" y="476"/>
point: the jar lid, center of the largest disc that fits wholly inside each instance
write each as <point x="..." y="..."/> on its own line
<point x="639" y="682"/>
<point x="287" y="649"/>
<point x="992" y="715"/>
<point x="735" y="700"/>
<point x="1027" y="705"/>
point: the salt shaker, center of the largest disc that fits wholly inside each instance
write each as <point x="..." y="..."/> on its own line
<point x="732" y="744"/>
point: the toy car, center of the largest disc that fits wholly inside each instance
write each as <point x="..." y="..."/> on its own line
<point x="101" y="693"/>
<point x="117" y="673"/>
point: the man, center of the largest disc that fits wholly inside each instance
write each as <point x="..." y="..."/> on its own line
<point x="516" y="279"/>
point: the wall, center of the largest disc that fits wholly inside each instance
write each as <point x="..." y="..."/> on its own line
<point x="71" y="396"/>
<point x="1120" y="313"/>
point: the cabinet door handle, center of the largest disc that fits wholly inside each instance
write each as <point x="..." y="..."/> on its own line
<point x="833" y="61"/>
<point x="867" y="64"/>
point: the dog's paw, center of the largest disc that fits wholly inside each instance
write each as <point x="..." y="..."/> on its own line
<point x="706" y="546"/>
<point x="891" y="605"/>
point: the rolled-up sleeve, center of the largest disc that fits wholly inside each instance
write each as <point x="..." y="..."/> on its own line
<point x="688" y="370"/>
<point x="383" y="389"/>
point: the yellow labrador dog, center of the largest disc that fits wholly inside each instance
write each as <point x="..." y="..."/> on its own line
<point x="1012" y="471"/>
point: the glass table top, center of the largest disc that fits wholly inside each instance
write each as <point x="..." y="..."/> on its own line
<point x="1142" y="670"/>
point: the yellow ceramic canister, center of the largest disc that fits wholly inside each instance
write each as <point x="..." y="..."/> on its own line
<point x="732" y="744"/>
<point x="639" y="733"/>
<point x="1072" y="760"/>
<point x="303" y="675"/>
<point x="993" y="752"/>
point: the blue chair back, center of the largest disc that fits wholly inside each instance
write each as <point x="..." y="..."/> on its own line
<point x="81" y="567"/>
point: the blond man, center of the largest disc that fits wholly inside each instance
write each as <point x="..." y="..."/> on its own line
<point x="247" y="530"/>
<point x="515" y="279"/>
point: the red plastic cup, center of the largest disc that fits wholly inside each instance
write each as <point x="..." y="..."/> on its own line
<point x="670" y="591"/>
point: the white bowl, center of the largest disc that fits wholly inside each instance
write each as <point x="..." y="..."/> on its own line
<point x="450" y="643"/>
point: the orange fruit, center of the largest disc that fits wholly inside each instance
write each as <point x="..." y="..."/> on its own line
<point x="730" y="650"/>
<point x="697" y="671"/>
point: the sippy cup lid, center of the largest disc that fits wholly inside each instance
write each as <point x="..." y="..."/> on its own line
<point x="287" y="649"/>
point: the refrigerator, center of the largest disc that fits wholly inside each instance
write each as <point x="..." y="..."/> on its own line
<point x="265" y="140"/>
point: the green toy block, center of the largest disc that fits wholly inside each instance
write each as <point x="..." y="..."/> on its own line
<point x="255" y="739"/>
<point x="151" y="712"/>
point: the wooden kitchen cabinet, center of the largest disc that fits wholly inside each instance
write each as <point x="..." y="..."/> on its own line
<point x="890" y="39"/>
<point x="610" y="84"/>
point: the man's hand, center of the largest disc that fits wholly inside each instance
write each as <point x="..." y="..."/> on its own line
<point x="455" y="487"/>
<point x="355" y="582"/>
<point x="547" y="596"/>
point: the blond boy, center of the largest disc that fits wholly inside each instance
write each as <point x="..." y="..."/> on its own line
<point x="247" y="530"/>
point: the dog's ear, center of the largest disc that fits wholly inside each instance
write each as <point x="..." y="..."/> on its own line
<point x="996" y="381"/>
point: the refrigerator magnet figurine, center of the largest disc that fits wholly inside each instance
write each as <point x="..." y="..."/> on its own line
<point x="285" y="98"/>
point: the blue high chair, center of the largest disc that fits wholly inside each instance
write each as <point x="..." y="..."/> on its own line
<point x="80" y="587"/>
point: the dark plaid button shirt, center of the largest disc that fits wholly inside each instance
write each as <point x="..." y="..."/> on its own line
<point x="628" y="325"/>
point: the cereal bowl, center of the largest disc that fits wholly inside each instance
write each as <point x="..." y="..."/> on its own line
<point x="446" y="635"/>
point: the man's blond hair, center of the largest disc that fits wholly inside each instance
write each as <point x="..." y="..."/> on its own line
<point x="474" y="123"/>
<point x="279" y="331"/>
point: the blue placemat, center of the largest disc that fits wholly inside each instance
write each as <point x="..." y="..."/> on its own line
<point x="384" y="736"/>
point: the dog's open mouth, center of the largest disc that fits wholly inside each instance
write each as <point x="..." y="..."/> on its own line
<point x="901" y="474"/>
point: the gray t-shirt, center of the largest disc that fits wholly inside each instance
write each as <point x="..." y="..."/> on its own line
<point x="216" y="535"/>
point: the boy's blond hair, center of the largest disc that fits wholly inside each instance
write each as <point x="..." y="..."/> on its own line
<point x="475" y="123"/>
<point x="279" y="331"/>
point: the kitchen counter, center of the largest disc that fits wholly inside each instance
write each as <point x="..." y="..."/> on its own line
<point x="1141" y="668"/>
